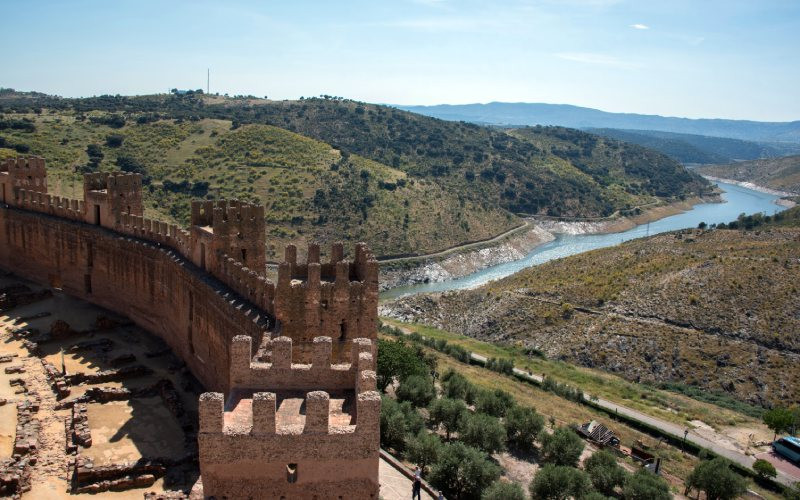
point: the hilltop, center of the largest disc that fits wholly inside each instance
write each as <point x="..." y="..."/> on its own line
<point x="712" y="309"/>
<point x="405" y="183"/>
<point x="523" y="113"/>
<point x="782" y="174"/>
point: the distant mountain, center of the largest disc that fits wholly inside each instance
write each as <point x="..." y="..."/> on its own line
<point x="565" y="115"/>
<point x="782" y="174"/>
<point x="690" y="148"/>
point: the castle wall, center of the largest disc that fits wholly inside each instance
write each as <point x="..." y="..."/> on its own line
<point x="153" y="286"/>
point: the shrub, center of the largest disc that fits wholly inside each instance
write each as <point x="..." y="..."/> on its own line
<point x="604" y="472"/>
<point x="562" y="447"/>
<point x="503" y="490"/>
<point x="398" y="421"/>
<point x="463" y="471"/>
<point x="114" y="140"/>
<point x="494" y="403"/>
<point x="397" y="360"/>
<point x="455" y="385"/>
<point x="423" y="449"/>
<point x="482" y="431"/>
<point x="558" y="482"/>
<point x="716" y="479"/>
<point x="764" y="469"/>
<point x="644" y="485"/>
<point x="522" y="425"/>
<point x="447" y="413"/>
<point x="417" y="390"/>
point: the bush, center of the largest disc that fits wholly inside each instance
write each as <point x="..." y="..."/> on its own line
<point x="764" y="469"/>
<point x="716" y="479"/>
<point x="398" y="421"/>
<point x="644" y="485"/>
<point x="423" y="449"/>
<point x="455" y="385"/>
<point x="397" y="360"/>
<point x="604" y="472"/>
<point x="562" y="447"/>
<point x="522" y="425"/>
<point x="463" y="471"/>
<point x="494" y="403"/>
<point x="483" y="432"/>
<point x="417" y="390"/>
<point x="503" y="490"/>
<point x="558" y="482"/>
<point x="501" y="365"/>
<point x="447" y="413"/>
<point x="114" y="140"/>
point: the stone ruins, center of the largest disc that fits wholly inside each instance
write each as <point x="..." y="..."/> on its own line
<point x="294" y="412"/>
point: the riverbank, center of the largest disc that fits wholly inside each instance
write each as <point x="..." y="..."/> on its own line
<point x="455" y="264"/>
<point x="754" y="187"/>
<point x="625" y="223"/>
<point x="515" y="245"/>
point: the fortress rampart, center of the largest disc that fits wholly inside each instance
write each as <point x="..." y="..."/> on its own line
<point x="254" y="445"/>
<point x="204" y="291"/>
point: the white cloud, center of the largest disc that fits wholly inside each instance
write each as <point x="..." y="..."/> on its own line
<point x="640" y="26"/>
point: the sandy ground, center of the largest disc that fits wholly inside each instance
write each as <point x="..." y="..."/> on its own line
<point x="122" y="430"/>
<point x="737" y="438"/>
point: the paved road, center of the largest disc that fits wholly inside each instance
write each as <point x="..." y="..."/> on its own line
<point x="668" y="427"/>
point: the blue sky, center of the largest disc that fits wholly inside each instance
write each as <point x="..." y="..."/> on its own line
<point x="694" y="58"/>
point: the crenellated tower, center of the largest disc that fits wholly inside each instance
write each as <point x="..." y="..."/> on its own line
<point x="228" y="228"/>
<point x="28" y="174"/>
<point x="337" y="299"/>
<point x="289" y="430"/>
<point x="108" y="196"/>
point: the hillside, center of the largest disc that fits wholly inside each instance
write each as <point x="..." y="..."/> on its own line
<point x="782" y="174"/>
<point x="404" y="183"/>
<point x="690" y="148"/>
<point x="713" y="309"/>
<point x="565" y="115"/>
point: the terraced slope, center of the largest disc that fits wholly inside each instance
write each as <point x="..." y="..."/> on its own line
<point x="714" y="309"/>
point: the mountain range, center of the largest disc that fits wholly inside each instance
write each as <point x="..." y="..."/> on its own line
<point x="516" y="114"/>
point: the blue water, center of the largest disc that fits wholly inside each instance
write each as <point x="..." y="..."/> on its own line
<point x="737" y="200"/>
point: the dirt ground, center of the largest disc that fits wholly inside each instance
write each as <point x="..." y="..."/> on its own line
<point x="122" y="431"/>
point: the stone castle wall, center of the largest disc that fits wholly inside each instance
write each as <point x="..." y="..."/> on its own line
<point x="203" y="291"/>
<point x="153" y="286"/>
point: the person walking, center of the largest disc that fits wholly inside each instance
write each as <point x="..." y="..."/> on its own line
<point x="417" y="486"/>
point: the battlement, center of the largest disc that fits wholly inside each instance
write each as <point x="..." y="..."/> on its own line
<point x="247" y="283"/>
<point x="49" y="204"/>
<point x="22" y="173"/>
<point x="232" y="228"/>
<point x="338" y="299"/>
<point x="258" y="415"/>
<point x="157" y="231"/>
<point x="280" y="373"/>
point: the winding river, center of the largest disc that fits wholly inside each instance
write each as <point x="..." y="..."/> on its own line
<point x="737" y="199"/>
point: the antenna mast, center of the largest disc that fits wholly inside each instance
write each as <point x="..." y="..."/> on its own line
<point x="208" y="80"/>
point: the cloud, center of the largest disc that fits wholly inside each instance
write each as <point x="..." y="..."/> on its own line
<point x="595" y="59"/>
<point x="640" y="26"/>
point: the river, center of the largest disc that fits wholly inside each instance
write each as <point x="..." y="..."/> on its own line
<point x="737" y="200"/>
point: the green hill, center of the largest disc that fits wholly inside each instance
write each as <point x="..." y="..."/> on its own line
<point x="330" y="168"/>
<point x="712" y="309"/>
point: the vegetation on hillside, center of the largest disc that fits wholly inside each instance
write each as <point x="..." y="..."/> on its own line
<point x="711" y="309"/>
<point x="782" y="174"/>
<point x="405" y="183"/>
<point x="690" y="148"/>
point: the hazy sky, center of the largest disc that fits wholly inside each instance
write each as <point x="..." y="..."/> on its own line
<point x="695" y="58"/>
